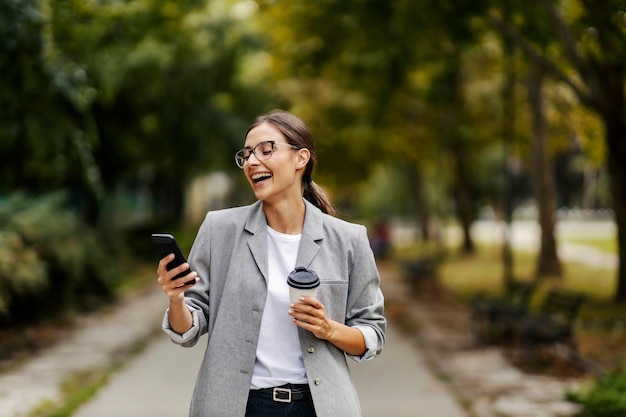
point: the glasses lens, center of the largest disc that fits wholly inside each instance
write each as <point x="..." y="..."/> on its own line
<point x="240" y="158"/>
<point x="264" y="150"/>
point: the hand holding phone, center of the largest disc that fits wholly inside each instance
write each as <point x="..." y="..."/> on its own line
<point x="166" y="244"/>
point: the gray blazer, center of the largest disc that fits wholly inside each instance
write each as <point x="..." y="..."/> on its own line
<point x="230" y="256"/>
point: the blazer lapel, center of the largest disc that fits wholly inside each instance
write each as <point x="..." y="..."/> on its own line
<point x="257" y="226"/>
<point x="312" y="233"/>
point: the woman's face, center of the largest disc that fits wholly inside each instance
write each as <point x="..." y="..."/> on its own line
<point x="278" y="177"/>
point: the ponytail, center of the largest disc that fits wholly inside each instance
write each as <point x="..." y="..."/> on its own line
<point x="316" y="196"/>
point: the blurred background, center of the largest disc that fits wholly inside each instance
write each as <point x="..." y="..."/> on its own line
<point x="444" y="126"/>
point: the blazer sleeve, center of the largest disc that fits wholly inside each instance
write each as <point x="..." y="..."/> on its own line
<point x="365" y="305"/>
<point x="197" y="297"/>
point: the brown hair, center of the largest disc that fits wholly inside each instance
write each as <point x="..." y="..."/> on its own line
<point x="298" y="134"/>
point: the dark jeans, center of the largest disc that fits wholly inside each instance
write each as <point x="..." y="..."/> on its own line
<point x="261" y="404"/>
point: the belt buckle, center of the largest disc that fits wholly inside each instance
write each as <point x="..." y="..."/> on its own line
<point x="278" y="391"/>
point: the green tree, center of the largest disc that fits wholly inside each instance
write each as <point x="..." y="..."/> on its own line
<point x="376" y="73"/>
<point x="107" y="94"/>
<point x="592" y="63"/>
<point x="38" y="123"/>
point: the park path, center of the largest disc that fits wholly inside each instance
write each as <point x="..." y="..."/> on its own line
<point x="159" y="382"/>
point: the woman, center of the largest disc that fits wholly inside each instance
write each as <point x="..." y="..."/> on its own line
<point x="265" y="356"/>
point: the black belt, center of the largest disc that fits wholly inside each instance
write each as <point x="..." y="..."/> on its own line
<point x="288" y="392"/>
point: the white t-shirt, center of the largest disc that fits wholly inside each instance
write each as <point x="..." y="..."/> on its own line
<point x="278" y="355"/>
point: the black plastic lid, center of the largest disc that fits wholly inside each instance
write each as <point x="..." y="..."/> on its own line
<point x="303" y="278"/>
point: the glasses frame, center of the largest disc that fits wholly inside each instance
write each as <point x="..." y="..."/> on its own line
<point x="241" y="160"/>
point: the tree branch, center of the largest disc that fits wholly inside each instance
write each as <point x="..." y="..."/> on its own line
<point x="571" y="50"/>
<point x="511" y="32"/>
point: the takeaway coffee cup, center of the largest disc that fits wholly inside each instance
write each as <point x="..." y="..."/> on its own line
<point x="302" y="282"/>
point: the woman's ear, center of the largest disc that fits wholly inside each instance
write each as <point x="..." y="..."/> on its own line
<point x="304" y="155"/>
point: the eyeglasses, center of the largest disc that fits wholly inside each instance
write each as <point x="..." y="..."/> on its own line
<point x="265" y="150"/>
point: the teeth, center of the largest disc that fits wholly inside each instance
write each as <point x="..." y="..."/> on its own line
<point x="261" y="175"/>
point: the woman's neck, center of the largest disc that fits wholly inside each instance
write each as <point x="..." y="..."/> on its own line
<point x="286" y="217"/>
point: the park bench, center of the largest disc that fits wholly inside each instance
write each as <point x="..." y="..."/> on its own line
<point x="552" y="326"/>
<point x="494" y="317"/>
<point x="554" y="322"/>
<point x="421" y="273"/>
<point x="424" y="267"/>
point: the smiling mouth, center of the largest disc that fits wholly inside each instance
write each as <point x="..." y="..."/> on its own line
<point x="262" y="176"/>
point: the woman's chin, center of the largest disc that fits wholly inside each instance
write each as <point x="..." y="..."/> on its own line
<point x="261" y="193"/>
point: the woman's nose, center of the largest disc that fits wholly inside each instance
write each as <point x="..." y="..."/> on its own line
<point x="256" y="160"/>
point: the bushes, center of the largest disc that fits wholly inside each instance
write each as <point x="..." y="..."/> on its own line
<point x="605" y="398"/>
<point x="51" y="261"/>
<point x="22" y="272"/>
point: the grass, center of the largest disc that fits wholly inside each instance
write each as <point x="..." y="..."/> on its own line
<point x="484" y="272"/>
<point x="608" y="245"/>
<point x="77" y="389"/>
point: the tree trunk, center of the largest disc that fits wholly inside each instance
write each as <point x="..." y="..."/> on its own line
<point x="543" y="182"/>
<point x="508" y="132"/>
<point x="614" y="117"/>
<point x="458" y="149"/>
<point x="418" y="198"/>
<point x="616" y="139"/>
<point x="462" y="197"/>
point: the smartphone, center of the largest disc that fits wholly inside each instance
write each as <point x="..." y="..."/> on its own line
<point x="166" y="244"/>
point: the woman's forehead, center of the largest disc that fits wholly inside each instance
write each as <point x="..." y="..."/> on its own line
<point x="263" y="132"/>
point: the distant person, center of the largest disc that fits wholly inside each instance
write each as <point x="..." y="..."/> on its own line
<point x="381" y="240"/>
<point x="265" y="355"/>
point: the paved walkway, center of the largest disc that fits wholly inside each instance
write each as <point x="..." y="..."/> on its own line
<point x="97" y="341"/>
<point x="159" y="381"/>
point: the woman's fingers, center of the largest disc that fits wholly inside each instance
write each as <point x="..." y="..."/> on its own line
<point x="310" y="314"/>
<point x="174" y="287"/>
<point x="310" y="306"/>
<point x="162" y="267"/>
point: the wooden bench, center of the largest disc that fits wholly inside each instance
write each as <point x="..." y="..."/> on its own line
<point x="493" y="318"/>
<point x="421" y="275"/>
<point x="554" y="322"/>
<point x="423" y="267"/>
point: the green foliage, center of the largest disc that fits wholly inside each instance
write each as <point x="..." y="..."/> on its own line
<point x="21" y="270"/>
<point x="383" y="83"/>
<point x="605" y="398"/>
<point x="50" y="261"/>
<point x="98" y="95"/>
<point x="35" y="124"/>
<point x="144" y="95"/>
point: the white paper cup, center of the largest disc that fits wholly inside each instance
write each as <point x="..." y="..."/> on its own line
<point x="296" y="293"/>
<point x="302" y="283"/>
